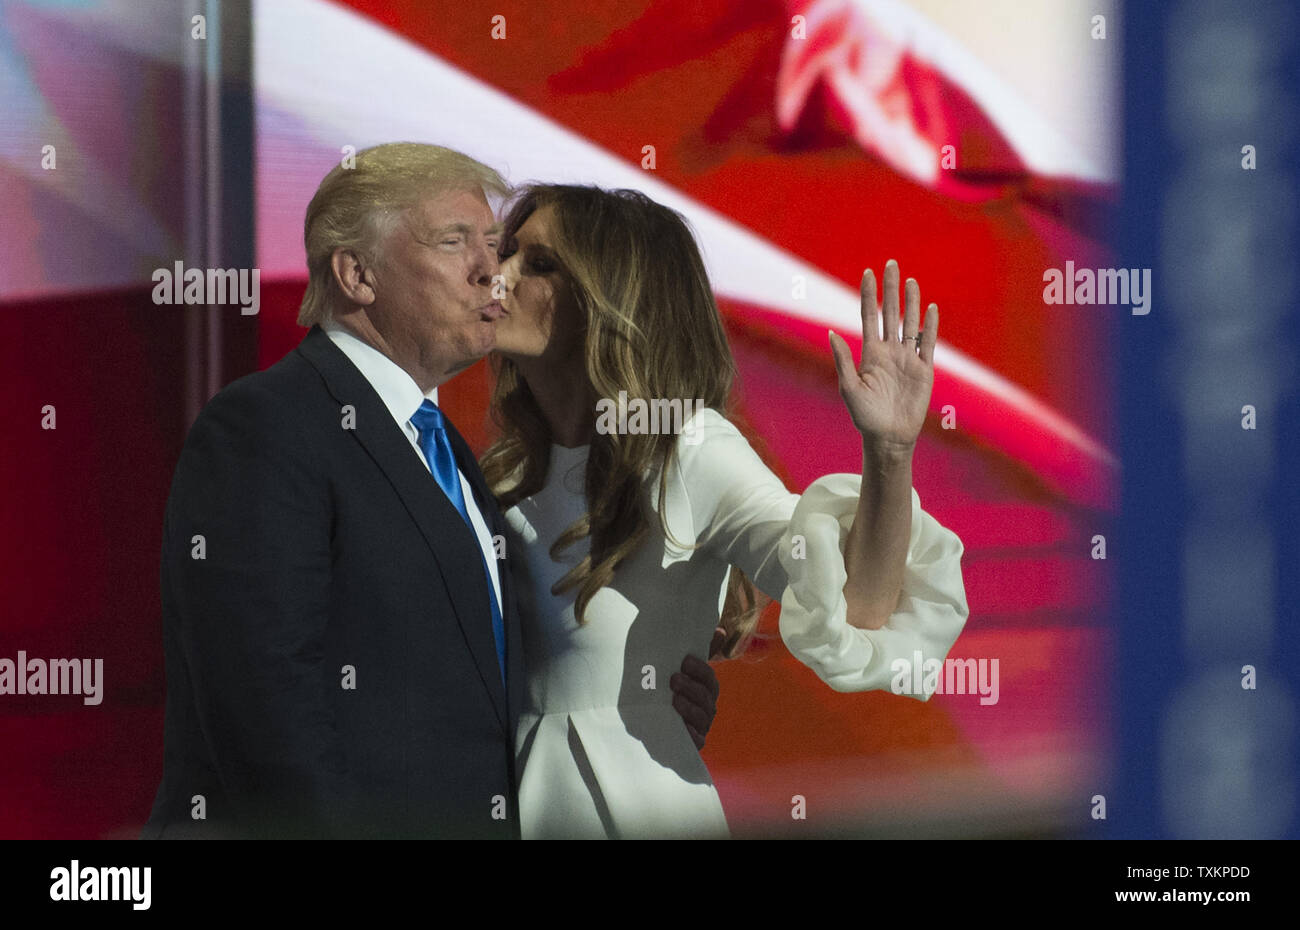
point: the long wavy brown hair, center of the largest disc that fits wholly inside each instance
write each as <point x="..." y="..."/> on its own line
<point x="652" y="329"/>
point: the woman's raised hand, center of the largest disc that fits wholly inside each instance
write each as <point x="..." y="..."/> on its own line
<point x="888" y="392"/>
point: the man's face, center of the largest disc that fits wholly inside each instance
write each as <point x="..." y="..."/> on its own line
<point x="433" y="284"/>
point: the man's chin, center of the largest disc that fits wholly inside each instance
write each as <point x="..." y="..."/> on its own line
<point x="476" y="348"/>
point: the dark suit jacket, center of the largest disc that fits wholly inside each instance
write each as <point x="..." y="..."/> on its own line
<point x="327" y="549"/>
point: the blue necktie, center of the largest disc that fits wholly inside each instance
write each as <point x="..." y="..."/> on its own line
<point x="442" y="462"/>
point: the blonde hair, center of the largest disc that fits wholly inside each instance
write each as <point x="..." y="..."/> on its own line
<point x="653" y="330"/>
<point x="358" y="202"/>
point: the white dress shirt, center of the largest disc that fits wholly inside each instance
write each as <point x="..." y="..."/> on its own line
<point x="402" y="396"/>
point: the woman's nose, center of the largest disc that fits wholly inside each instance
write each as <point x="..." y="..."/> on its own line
<point x="509" y="273"/>
<point x="501" y="285"/>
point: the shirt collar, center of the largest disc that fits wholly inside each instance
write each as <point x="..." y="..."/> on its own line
<point x="397" y="389"/>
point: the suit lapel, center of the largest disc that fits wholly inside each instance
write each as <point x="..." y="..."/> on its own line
<point x="453" y="545"/>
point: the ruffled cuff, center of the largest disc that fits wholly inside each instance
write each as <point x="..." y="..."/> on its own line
<point x="931" y="612"/>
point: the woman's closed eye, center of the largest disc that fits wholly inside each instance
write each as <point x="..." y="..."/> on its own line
<point x="536" y="260"/>
<point x="539" y="263"/>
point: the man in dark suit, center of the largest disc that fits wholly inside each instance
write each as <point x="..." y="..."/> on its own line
<point x="342" y="646"/>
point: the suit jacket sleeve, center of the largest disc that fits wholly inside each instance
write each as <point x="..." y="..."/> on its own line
<point x="252" y="611"/>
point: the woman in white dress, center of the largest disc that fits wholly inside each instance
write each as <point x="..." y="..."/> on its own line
<point x="632" y="534"/>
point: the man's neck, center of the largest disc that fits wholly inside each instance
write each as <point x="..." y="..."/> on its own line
<point x="359" y="324"/>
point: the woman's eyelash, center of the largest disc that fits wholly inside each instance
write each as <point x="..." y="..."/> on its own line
<point x="537" y="262"/>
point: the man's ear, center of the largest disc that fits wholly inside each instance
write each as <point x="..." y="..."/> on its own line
<point x="354" y="278"/>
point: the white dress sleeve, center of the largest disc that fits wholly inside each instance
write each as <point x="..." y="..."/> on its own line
<point x="932" y="606"/>
<point x="792" y="547"/>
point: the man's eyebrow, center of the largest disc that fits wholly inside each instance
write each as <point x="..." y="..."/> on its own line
<point x="451" y="228"/>
<point x="467" y="230"/>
